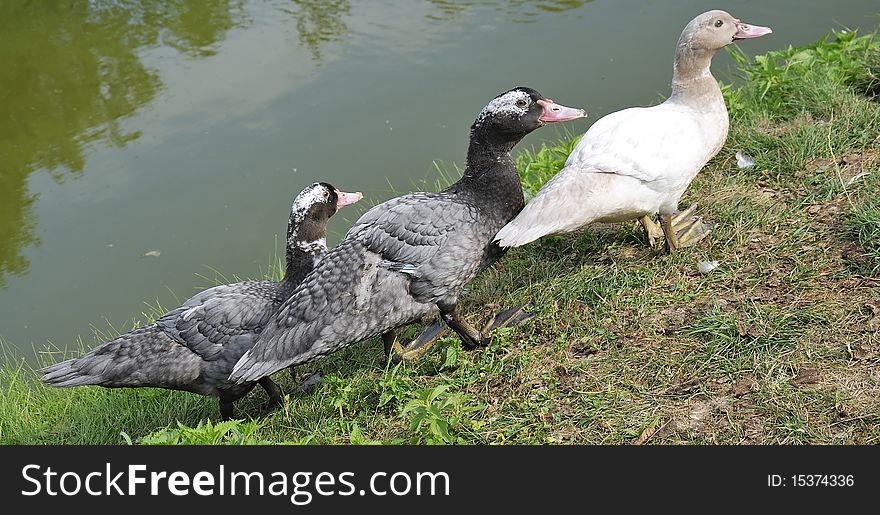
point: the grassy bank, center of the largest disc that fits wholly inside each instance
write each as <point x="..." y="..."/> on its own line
<point x="778" y="344"/>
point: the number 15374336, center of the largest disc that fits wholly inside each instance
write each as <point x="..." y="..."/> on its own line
<point x="811" y="480"/>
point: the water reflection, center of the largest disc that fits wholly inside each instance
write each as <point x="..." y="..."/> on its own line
<point x="520" y="11"/>
<point x="16" y="225"/>
<point x="193" y="28"/>
<point x="319" y="22"/>
<point x="71" y="74"/>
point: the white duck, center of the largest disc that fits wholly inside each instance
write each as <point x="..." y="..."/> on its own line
<point x="636" y="162"/>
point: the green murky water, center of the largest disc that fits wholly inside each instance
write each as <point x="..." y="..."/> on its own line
<point x="144" y="145"/>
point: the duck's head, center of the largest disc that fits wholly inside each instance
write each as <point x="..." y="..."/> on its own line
<point x="714" y="30"/>
<point x="513" y="114"/>
<point x="311" y="211"/>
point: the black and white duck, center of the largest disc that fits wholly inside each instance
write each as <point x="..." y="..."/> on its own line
<point x="195" y="346"/>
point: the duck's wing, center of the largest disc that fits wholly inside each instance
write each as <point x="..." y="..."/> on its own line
<point x="221" y="317"/>
<point x="396" y="260"/>
<point x="434" y="238"/>
<point x="647" y="143"/>
<point x="407" y="229"/>
<point x="571" y="199"/>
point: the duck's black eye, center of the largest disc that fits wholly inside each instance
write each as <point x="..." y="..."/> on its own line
<point x="719" y="23"/>
<point x="521" y="103"/>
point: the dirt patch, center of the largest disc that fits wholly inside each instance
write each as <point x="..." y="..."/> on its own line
<point x="778" y="194"/>
<point x="866" y="345"/>
<point x="754" y="431"/>
<point x="684" y="385"/>
<point x="748" y="330"/>
<point x="568" y="379"/>
<point x="874" y="322"/>
<point x="827" y="214"/>
<point x="635" y="253"/>
<point x="861" y="351"/>
<point x="672" y="318"/>
<point x="849" y="168"/>
<point x="807" y="374"/>
<point x="850" y="251"/>
<point x="704" y="418"/>
<point x="744" y="387"/>
<point x="583" y="349"/>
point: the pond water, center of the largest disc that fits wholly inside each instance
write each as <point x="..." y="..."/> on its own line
<point x="145" y="148"/>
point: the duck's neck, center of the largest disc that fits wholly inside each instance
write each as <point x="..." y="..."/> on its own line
<point x="302" y="252"/>
<point x="490" y="179"/>
<point x="692" y="80"/>
<point x="484" y="150"/>
<point x="300" y="261"/>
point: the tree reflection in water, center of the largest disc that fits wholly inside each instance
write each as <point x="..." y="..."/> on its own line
<point x="71" y="74"/>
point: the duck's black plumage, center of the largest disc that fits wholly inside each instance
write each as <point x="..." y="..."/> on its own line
<point x="195" y="346"/>
<point x="410" y="256"/>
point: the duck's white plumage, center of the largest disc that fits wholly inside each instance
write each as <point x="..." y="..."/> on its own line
<point x="637" y="161"/>
<point x="629" y="164"/>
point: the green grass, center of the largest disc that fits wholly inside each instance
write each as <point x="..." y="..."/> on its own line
<point x="863" y="226"/>
<point x="779" y="344"/>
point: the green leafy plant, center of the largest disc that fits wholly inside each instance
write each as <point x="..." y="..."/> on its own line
<point x="393" y="386"/>
<point x="356" y="436"/>
<point x="776" y="79"/>
<point x="228" y="432"/>
<point x="537" y="166"/>
<point x="450" y="359"/>
<point x="434" y="413"/>
<point x="340" y="391"/>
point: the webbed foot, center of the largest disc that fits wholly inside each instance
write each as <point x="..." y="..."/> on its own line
<point x="653" y="230"/>
<point x="471" y="338"/>
<point x="415" y="349"/>
<point x="507" y="318"/>
<point x="684" y="229"/>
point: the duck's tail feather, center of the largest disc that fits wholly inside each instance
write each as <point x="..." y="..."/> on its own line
<point x="65" y="374"/>
<point x="513" y="235"/>
<point x="144" y="357"/>
<point x="573" y="198"/>
<point x="249" y="368"/>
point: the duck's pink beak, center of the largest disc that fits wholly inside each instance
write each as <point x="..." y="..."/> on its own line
<point x="746" y="31"/>
<point x="554" y="112"/>
<point x="346" y="199"/>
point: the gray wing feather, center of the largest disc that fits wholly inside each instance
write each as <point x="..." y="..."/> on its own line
<point x="210" y="321"/>
<point x="431" y="237"/>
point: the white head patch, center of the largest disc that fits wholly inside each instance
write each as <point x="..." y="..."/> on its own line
<point x="308" y="198"/>
<point x="506" y="105"/>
